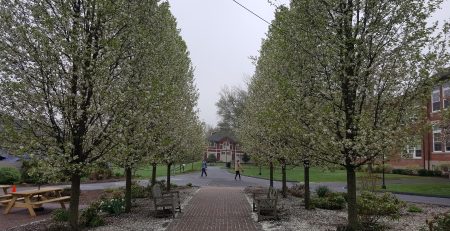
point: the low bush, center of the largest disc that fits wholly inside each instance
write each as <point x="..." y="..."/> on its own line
<point x="114" y="206"/>
<point x="414" y="209"/>
<point x="189" y="184"/>
<point x="138" y="191"/>
<point x="372" y="207"/>
<point x="297" y="190"/>
<point x="322" y="191"/>
<point x="9" y="175"/>
<point x="101" y="172"/>
<point x="90" y="216"/>
<point x="425" y="172"/>
<point x="330" y="202"/>
<point x="60" y="215"/>
<point x="440" y="222"/>
<point x="403" y="171"/>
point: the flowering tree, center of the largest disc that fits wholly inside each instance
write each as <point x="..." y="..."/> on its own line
<point x="355" y="71"/>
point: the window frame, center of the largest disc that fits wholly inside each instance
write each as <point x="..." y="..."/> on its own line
<point x="438" y="91"/>
<point x="437" y="130"/>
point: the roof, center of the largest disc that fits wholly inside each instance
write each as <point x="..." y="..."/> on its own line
<point x="220" y="135"/>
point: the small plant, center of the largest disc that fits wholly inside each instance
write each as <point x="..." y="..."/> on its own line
<point x="90" y="217"/>
<point x="138" y="191"/>
<point x="440" y="222"/>
<point x="323" y="191"/>
<point x="112" y="206"/>
<point x="297" y="190"/>
<point x="414" y="209"/>
<point x="189" y="184"/>
<point x="330" y="202"/>
<point x="9" y="175"/>
<point x="372" y="207"/>
<point x="60" y="215"/>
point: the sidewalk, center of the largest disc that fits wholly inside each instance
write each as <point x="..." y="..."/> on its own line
<point x="218" y="209"/>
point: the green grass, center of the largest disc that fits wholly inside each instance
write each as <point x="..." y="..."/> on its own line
<point x="434" y="189"/>
<point x="161" y="170"/>
<point x="315" y="175"/>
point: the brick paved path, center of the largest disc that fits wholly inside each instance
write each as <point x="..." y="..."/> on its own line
<point x="218" y="209"/>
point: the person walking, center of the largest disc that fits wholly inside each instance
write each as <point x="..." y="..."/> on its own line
<point x="238" y="169"/>
<point x="204" y="168"/>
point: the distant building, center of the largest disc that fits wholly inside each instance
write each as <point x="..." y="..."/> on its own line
<point x="224" y="146"/>
<point x="431" y="150"/>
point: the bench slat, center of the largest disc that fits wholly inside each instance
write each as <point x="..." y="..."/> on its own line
<point x="58" y="199"/>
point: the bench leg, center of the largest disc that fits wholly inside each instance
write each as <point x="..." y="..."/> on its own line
<point x="62" y="204"/>
<point x="29" y="206"/>
<point x="10" y="205"/>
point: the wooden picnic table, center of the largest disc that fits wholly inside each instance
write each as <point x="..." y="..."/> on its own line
<point x="32" y="199"/>
<point x="5" y="188"/>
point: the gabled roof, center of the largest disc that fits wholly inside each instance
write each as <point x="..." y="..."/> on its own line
<point x="220" y="135"/>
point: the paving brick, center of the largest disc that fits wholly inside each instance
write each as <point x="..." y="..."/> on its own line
<point x="217" y="209"/>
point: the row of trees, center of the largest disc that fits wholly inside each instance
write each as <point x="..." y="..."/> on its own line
<point x="83" y="82"/>
<point x="339" y="82"/>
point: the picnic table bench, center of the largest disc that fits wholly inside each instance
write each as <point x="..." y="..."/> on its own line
<point x="5" y="188"/>
<point x="32" y="199"/>
<point x="265" y="203"/>
<point x="165" y="199"/>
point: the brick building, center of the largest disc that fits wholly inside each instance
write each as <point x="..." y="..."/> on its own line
<point x="225" y="146"/>
<point x="430" y="150"/>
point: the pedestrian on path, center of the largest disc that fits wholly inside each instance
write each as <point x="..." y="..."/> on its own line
<point x="238" y="169"/>
<point x="204" y="168"/>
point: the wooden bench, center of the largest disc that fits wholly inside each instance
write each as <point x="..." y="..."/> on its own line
<point x="61" y="200"/>
<point x="260" y="194"/>
<point x="267" y="206"/>
<point x="165" y="199"/>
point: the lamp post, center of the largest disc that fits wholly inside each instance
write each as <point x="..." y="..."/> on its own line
<point x="307" y="193"/>
<point x="383" y="185"/>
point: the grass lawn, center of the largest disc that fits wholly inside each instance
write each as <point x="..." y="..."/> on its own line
<point x="440" y="189"/>
<point x="316" y="174"/>
<point x="161" y="170"/>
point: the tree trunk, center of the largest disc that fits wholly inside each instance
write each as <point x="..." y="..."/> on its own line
<point x="128" y="190"/>
<point x="283" y="174"/>
<point x="74" y="201"/>
<point x="153" y="174"/>
<point x="168" y="177"/>
<point x="351" y="193"/>
<point x="307" y="193"/>
<point x="271" y="174"/>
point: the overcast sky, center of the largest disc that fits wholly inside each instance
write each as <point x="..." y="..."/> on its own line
<point x="221" y="36"/>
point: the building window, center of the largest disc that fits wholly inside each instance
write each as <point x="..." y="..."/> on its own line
<point x="437" y="140"/>
<point x="446" y="95"/>
<point x="436" y="100"/>
<point x="414" y="151"/>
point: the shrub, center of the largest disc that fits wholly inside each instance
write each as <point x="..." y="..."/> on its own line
<point x="90" y="217"/>
<point x="322" y="191"/>
<point x="189" y="184"/>
<point x="9" y="175"/>
<point x="425" y="172"/>
<point x="297" y="190"/>
<point x="138" y="191"/>
<point x="414" y="209"/>
<point x="100" y="172"/>
<point x="403" y="171"/>
<point x="330" y="202"/>
<point x="440" y="222"/>
<point x="245" y="158"/>
<point x="372" y="207"/>
<point x="211" y="158"/>
<point x="60" y="215"/>
<point x="114" y="206"/>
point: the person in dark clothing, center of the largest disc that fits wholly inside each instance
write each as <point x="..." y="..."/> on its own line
<point x="204" y="168"/>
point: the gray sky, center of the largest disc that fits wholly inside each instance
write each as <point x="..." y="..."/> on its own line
<point x="221" y="36"/>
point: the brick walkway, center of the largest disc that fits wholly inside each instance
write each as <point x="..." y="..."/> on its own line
<point x="217" y="209"/>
